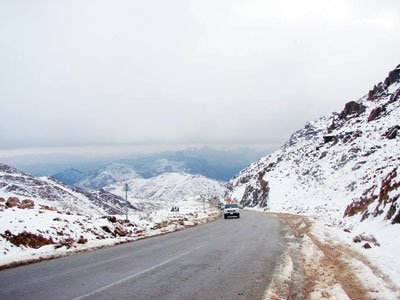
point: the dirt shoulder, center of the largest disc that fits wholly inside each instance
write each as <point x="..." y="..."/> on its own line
<point x="315" y="266"/>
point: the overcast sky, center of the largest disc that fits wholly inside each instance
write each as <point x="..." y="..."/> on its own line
<point x="158" y="72"/>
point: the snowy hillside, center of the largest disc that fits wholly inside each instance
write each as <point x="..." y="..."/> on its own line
<point x="112" y="173"/>
<point x="342" y="169"/>
<point x="168" y="189"/>
<point x="332" y="161"/>
<point x="161" y="166"/>
<point x="54" y="193"/>
<point x="31" y="230"/>
<point x="41" y="217"/>
<point x="70" y="176"/>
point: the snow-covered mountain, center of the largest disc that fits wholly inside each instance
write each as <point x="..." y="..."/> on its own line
<point x="46" y="189"/>
<point x="161" y="166"/>
<point x="112" y="173"/>
<point x="70" y="176"/>
<point x="168" y="189"/>
<point x="345" y="163"/>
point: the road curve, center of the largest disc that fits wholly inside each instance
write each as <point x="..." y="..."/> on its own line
<point x="224" y="259"/>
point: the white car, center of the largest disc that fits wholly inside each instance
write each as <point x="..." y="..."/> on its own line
<point x="231" y="210"/>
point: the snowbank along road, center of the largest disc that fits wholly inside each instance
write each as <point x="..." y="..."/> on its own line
<point x="224" y="259"/>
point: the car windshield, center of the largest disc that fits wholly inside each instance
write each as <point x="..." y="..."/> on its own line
<point x="231" y="206"/>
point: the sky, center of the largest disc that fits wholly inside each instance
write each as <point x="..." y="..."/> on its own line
<point x="163" y="74"/>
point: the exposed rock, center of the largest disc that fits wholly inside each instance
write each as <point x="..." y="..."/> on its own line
<point x="45" y="207"/>
<point x="323" y="154"/>
<point x="329" y="138"/>
<point x="67" y="242"/>
<point x="395" y="96"/>
<point x="119" y="230"/>
<point x="2" y="199"/>
<point x="377" y="92"/>
<point x="27" y="239"/>
<point x="352" y="108"/>
<point x="258" y="194"/>
<point x="393" y="76"/>
<point x="367" y="246"/>
<point x="386" y="197"/>
<point x="375" y="113"/>
<point x="82" y="240"/>
<point x="12" y="202"/>
<point x="111" y="219"/>
<point x="106" y="229"/>
<point x="361" y="205"/>
<point x="396" y="219"/>
<point x="391" y="133"/>
<point x="27" y="203"/>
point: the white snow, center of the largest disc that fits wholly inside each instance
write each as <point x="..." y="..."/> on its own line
<point x="167" y="189"/>
<point x="59" y="226"/>
<point x="81" y="215"/>
<point x="314" y="176"/>
<point x="112" y="173"/>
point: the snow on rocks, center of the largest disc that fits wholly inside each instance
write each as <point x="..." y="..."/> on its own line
<point x="343" y="169"/>
<point x="41" y="231"/>
<point x="51" y="192"/>
<point x="167" y="189"/>
<point x="112" y="173"/>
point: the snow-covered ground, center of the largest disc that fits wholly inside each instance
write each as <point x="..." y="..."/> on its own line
<point x="41" y="217"/>
<point x="39" y="232"/>
<point x="166" y="189"/>
<point x="322" y="261"/>
<point x="342" y="170"/>
<point x="112" y="173"/>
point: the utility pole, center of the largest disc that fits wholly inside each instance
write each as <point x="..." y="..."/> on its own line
<point x="126" y="188"/>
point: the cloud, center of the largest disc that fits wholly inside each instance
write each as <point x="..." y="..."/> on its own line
<point x="205" y="72"/>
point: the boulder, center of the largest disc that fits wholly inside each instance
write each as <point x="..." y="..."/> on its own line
<point x="12" y="201"/>
<point x="393" y="76"/>
<point x="375" y="113"/>
<point x="119" y="230"/>
<point x="352" y="108"/>
<point x="367" y="246"/>
<point x="106" y="229"/>
<point x="391" y="133"/>
<point x="82" y="240"/>
<point x="27" y="203"/>
<point x="329" y="138"/>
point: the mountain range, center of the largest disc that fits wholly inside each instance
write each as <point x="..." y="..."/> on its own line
<point x="215" y="164"/>
<point x="146" y="193"/>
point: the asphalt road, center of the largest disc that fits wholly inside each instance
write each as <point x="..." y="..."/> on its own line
<point x="224" y="259"/>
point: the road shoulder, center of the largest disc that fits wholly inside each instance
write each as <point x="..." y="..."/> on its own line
<point x="318" y="265"/>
